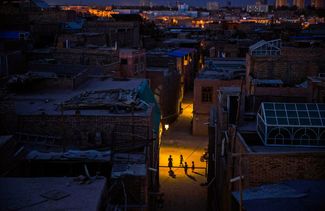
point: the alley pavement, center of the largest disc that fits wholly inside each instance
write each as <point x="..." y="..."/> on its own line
<point x="183" y="191"/>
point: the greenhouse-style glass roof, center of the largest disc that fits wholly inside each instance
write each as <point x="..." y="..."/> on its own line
<point x="292" y="124"/>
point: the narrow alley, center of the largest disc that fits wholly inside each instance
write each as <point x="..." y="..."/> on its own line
<point x="181" y="191"/>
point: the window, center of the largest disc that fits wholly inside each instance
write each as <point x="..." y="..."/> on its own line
<point x="206" y="94"/>
<point x="124" y="61"/>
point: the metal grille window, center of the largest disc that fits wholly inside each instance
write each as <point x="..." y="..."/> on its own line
<point x="206" y="94"/>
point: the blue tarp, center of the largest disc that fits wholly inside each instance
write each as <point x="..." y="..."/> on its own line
<point x="74" y="25"/>
<point x="10" y="35"/>
<point x="180" y="52"/>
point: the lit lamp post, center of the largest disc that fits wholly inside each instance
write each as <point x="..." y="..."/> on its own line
<point x="166" y="126"/>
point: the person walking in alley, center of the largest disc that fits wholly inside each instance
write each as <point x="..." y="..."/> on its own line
<point x="170" y="162"/>
<point x="181" y="160"/>
<point x="193" y="167"/>
<point x="185" y="168"/>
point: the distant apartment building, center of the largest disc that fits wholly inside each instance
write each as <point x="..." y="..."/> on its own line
<point x="212" y="6"/>
<point x="300" y="4"/>
<point x="259" y="2"/>
<point x="257" y="8"/>
<point x="144" y="3"/>
<point x="182" y="7"/>
<point x="281" y="3"/>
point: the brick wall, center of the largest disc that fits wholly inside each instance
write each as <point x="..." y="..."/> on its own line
<point x="125" y="33"/>
<point x="293" y="66"/>
<point x="136" y="63"/>
<point x="201" y="109"/>
<point x="272" y="167"/>
<point x="85" y="56"/>
<point x="79" y="40"/>
<point x="79" y="130"/>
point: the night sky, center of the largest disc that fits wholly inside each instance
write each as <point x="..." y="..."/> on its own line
<point x="155" y="2"/>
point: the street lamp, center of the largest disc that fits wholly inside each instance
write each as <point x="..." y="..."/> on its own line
<point x="166" y="127"/>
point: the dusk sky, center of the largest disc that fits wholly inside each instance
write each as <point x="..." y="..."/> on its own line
<point x="155" y="2"/>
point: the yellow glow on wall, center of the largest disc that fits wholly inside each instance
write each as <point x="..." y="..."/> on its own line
<point x="102" y="13"/>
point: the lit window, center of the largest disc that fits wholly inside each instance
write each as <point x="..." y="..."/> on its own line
<point x="206" y="94"/>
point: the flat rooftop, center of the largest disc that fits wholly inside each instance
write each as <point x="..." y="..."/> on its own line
<point x="181" y="40"/>
<point x="44" y="70"/>
<point x="221" y="74"/>
<point x="255" y="144"/>
<point x="157" y="69"/>
<point x="50" y="193"/>
<point x="159" y="51"/>
<point x="303" y="195"/>
<point x="129" y="164"/>
<point x="223" y="68"/>
<point x="94" y="97"/>
<point x="4" y="140"/>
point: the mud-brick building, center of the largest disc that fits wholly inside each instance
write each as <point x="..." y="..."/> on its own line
<point x="285" y="143"/>
<point x="217" y="74"/>
<point x="165" y="83"/>
<point x="280" y="73"/>
<point x="270" y="60"/>
<point x="132" y="63"/>
<point x="169" y="71"/>
<point x="88" y="114"/>
<point x="119" y="115"/>
<point x="124" y="30"/>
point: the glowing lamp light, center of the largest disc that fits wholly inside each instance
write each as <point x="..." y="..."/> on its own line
<point x="166" y="126"/>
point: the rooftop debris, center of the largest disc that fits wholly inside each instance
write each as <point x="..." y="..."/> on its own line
<point x="70" y="155"/>
<point x="115" y="100"/>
